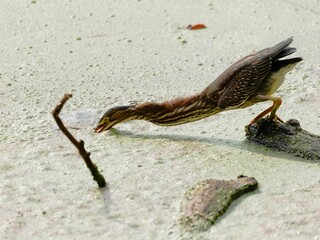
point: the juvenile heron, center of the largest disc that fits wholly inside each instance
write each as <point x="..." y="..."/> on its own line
<point x="250" y="80"/>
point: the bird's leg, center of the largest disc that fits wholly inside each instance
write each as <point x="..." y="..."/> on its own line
<point x="261" y="115"/>
<point x="273" y="109"/>
<point x="276" y="104"/>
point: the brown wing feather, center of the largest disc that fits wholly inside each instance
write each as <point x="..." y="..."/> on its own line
<point x="259" y="63"/>
<point x="245" y="83"/>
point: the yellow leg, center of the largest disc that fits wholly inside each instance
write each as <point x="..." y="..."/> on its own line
<point x="273" y="109"/>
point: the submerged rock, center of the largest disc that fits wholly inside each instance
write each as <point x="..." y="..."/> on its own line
<point x="288" y="137"/>
<point x="209" y="199"/>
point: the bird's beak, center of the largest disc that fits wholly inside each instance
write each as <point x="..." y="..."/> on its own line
<point x="100" y="127"/>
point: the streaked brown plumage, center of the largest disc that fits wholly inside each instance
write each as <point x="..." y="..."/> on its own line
<point x="250" y="80"/>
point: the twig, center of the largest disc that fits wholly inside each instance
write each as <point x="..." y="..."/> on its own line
<point x="97" y="176"/>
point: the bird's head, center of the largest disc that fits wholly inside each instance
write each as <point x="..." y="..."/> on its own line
<point x="112" y="117"/>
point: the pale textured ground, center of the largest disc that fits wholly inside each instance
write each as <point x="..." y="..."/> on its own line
<point x="133" y="51"/>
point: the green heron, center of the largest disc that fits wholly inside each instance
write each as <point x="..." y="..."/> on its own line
<point x="250" y="80"/>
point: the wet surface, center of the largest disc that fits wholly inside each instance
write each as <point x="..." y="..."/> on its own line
<point x="84" y="119"/>
<point x="140" y="51"/>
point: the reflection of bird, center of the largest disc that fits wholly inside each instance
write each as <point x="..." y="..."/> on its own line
<point x="250" y="80"/>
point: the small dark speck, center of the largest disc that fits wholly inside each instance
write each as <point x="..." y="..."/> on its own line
<point x="139" y="165"/>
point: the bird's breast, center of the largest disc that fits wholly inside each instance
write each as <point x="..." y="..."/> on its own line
<point x="275" y="80"/>
<point x="273" y="83"/>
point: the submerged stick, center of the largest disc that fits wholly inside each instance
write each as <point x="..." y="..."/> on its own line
<point x="97" y="176"/>
<point x="287" y="137"/>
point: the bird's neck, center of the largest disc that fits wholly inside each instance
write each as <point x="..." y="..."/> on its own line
<point x="174" y="112"/>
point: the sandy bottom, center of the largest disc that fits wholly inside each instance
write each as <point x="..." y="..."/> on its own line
<point x="110" y="53"/>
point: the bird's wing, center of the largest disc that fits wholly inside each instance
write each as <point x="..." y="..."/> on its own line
<point x="244" y="82"/>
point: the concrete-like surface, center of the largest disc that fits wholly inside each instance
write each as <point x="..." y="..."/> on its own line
<point x="110" y="53"/>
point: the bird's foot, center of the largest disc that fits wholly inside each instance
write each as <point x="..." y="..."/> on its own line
<point x="274" y="118"/>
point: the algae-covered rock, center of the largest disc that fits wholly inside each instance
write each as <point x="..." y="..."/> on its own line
<point x="288" y="137"/>
<point x="209" y="199"/>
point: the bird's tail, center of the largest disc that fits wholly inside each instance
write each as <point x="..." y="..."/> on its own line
<point x="281" y="49"/>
